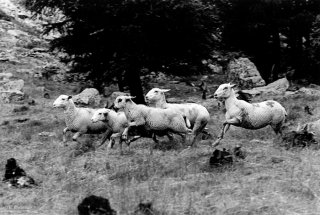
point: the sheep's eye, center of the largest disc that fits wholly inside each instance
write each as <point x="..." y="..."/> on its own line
<point x="120" y="100"/>
<point x="156" y="91"/>
<point x="225" y="88"/>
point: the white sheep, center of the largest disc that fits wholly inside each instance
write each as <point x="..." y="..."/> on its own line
<point x="154" y="119"/>
<point x="196" y="113"/>
<point x="250" y="116"/>
<point x="116" y="121"/>
<point x="78" y="120"/>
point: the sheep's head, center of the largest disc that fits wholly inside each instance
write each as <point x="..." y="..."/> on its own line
<point x="100" y="115"/>
<point x="121" y="102"/>
<point x="224" y="91"/>
<point x="62" y="101"/>
<point x="155" y="94"/>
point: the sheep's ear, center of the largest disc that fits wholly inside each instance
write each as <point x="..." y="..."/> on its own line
<point x="232" y="85"/>
<point x="69" y="97"/>
<point x="165" y="90"/>
<point x="131" y="97"/>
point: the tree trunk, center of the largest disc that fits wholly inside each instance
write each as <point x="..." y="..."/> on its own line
<point x="134" y="82"/>
<point x="120" y="82"/>
<point x="276" y="53"/>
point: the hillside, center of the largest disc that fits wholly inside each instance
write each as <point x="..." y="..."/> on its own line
<point x="270" y="180"/>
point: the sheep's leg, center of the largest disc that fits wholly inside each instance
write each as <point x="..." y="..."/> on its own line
<point x="126" y="130"/>
<point x="120" y="146"/>
<point x="154" y="143"/>
<point x="106" y="136"/>
<point x="226" y="126"/>
<point x="197" y="130"/>
<point x="278" y="130"/>
<point x="111" y="143"/>
<point x="125" y="133"/>
<point x="133" y="139"/>
<point x="184" y="138"/>
<point x="64" y="138"/>
<point x="75" y="136"/>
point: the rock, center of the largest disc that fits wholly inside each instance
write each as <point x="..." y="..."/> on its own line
<point x="301" y="137"/>
<point x="313" y="127"/>
<point x="50" y="70"/>
<point x="22" y="108"/>
<point x="16" y="85"/>
<point x="47" y="134"/>
<point x="89" y="96"/>
<point x="31" y="102"/>
<point x="276" y="160"/>
<point x="46" y="95"/>
<point x="220" y="158"/>
<point x="95" y="205"/>
<point x="309" y="91"/>
<point x="21" y="120"/>
<point x="5" y="16"/>
<point x="275" y="88"/>
<point x="238" y="152"/>
<point x="244" y="73"/>
<point x="6" y="75"/>
<point x="23" y="16"/>
<point x="12" y="91"/>
<point x="16" y="176"/>
<point x="145" y="209"/>
<point x="215" y="68"/>
<point x="12" y="96"/>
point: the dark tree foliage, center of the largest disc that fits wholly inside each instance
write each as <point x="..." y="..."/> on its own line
<point x="276" y="33"/>
<point x="108" y="38"/>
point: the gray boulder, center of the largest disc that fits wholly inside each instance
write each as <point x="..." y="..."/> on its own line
<point x="278" y="87"/>
<point x="89" y="96"/>
<point x="244" y="73"/>
<point x="11" y="91"/>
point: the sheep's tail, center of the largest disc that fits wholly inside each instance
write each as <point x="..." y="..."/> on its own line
<point x="187" y="121"/>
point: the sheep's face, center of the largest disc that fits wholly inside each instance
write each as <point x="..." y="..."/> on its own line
<point x="155" y="94"/>
<point x="121" y="102"/>
<point x="100" y="115"/>
<point x="62" y="101"/>
<point x="224" y="91"/>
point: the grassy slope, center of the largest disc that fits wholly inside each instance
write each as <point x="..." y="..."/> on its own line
<point x="270" y="180"/>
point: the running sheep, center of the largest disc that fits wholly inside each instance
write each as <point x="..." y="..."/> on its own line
<point x="197" y="114"/>
<point x="78" y="120"/>
<point x="116" y="122"/>
<point x="250" y="116"/>
<point x="154" y="119"/>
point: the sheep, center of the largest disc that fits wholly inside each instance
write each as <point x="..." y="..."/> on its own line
<point x="78" y="120"/>
<point x="196" y="113"/>
<point x="117" y="122"/>
<point x="151" y="118"/>
<point x="250" y="116"/>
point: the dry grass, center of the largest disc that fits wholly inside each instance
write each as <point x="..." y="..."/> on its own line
<point x="271" y="180"/>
